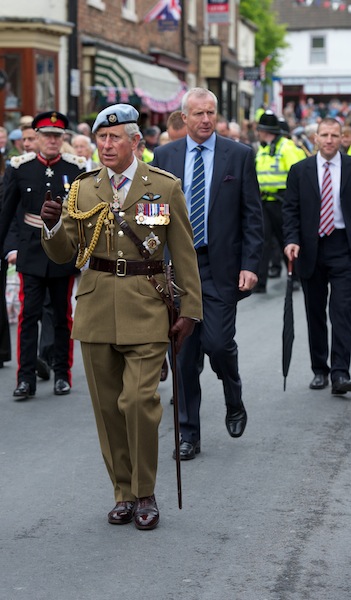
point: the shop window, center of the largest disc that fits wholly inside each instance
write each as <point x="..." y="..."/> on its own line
<point x="12" y="65"/>
<point x="45" y="82"/>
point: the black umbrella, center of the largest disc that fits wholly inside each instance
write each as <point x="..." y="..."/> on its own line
<point x="288" y="324"/>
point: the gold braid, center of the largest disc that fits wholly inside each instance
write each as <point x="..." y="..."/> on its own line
<point x="84" y="252"/>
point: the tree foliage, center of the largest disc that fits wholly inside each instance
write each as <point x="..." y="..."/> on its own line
<point x="270" y="37"/>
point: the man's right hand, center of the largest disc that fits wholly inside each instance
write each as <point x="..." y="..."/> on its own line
<point x="51" y="210"/>
<point x="291" y="251"/>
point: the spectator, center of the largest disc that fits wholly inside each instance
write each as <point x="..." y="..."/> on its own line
<point x="176" y="127"/>
<point x="5" y="340"/>
<point x="151" y="137"/>
<point x="82" y="147"/>
<point x="15" y="138"/>
<point x="222" y="126"/>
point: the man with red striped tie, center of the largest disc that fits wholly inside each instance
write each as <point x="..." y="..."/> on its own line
<point x="317" y="233"/>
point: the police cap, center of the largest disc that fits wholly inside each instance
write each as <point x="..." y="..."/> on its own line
<point x="50" y="122"/>
<point x="284" y="127"/>
<point x="269" y="122"/>
<point x="117" y="114"/>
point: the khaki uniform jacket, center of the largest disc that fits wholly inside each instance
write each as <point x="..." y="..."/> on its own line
<point x="128" y="310"/>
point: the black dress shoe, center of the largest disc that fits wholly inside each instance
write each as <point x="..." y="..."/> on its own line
<point x="43" y="369"/>
<point x="164" y="370"/>
<point x="187" y="450"/>
<point x="319" y="382"/>
<point x="62" y="387"/>
<point x="236" y="421"/>
<point x="341" y="385"/>
<point x="122" y="513"/>
<point x="146" y="515"/>
<point x="23" y="391"/>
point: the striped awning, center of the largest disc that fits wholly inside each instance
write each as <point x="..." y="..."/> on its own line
<point x="159" y="89"/>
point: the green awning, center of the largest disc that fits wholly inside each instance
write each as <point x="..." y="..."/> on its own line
<point x="159" y="89"/>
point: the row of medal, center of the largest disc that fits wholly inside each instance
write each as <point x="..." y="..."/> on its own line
<point x="152" y="214"/>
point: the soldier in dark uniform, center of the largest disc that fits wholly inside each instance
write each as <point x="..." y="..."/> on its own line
<point x="30" y="176"/>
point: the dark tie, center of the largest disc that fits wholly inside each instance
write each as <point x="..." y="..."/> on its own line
<point x="326" y="225"/>
<point x="197" y="212"/>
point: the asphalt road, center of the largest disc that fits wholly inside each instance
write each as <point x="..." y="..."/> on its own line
<point x="265" y="517"/>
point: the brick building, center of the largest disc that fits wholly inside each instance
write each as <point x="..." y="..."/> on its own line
<point x="81" y="55"/>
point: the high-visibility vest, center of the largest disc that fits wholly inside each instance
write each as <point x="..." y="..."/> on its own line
<point x="273" y="165"/>
<point x="148" y="155"/>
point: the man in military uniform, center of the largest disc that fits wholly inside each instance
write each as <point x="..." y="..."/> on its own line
<point x="121" y="217"/>
<point x="27" y="180"/>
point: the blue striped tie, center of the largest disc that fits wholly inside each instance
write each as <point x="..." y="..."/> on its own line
<point x="197" y="212"/>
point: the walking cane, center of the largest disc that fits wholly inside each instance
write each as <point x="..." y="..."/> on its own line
<point x="173" y="315"/>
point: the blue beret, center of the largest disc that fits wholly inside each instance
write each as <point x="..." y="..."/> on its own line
<point x="117" y="114"/>
<point x="16" y="134"/>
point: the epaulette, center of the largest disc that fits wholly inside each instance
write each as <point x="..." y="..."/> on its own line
<point x="162" y="172"/>
<point x="80" y="161"/>
<point x="17" y="161"/>
<point x="86" y="174"/>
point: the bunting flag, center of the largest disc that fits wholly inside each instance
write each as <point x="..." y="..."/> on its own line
<point x="335" y="5"/>
<point x="168" y="10"/>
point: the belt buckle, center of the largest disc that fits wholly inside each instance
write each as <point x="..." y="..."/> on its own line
<point x="121" y="267"/>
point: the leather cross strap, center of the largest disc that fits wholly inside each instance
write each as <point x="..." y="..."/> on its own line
<point x="124" y="268"/>
<point x="146" y="254"/>
<point x="130" y="233"/>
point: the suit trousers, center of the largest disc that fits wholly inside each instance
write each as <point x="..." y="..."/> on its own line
<point x="214" y="336"/>
<point x="331" y="278"/>
<point x="123" y="382"/>
<point x="273" y="226"/>
<point x="32" y="295"/>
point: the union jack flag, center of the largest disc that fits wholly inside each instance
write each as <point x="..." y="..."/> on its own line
<point x="164" y="9"/>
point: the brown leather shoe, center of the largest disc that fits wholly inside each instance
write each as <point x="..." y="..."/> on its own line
<point x="122" y="513"/>
<point x="146" y="515"/>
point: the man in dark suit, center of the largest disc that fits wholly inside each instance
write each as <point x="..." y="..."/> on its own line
<point x="317" y="232"/>
<point x="228" y="252"/>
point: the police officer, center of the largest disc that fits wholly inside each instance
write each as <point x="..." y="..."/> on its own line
<point x="121" y="216"/>
<point x="29" y="177"/>
<point x="274" y="158"/>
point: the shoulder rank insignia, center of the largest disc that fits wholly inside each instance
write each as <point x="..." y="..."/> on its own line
<point x="17" y="161"/>
<point x="79" y="161"/>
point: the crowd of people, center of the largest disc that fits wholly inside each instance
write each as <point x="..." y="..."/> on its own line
<point x="106" y="206"/>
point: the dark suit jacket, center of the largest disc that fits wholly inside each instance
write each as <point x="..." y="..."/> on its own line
<point x="235" y="226"/>
<point x="25" y="188"/>
<point x="301" y="210"/>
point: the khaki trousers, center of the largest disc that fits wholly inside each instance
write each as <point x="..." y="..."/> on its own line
<point x="123" y="382"/>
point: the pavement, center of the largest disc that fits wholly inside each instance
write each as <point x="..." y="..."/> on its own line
<point x="264" y="517"/>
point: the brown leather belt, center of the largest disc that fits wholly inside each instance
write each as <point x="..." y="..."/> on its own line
<point x="124" y="268"/>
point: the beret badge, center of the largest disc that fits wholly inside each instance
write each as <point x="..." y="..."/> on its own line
<point x="112" y="118"/>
